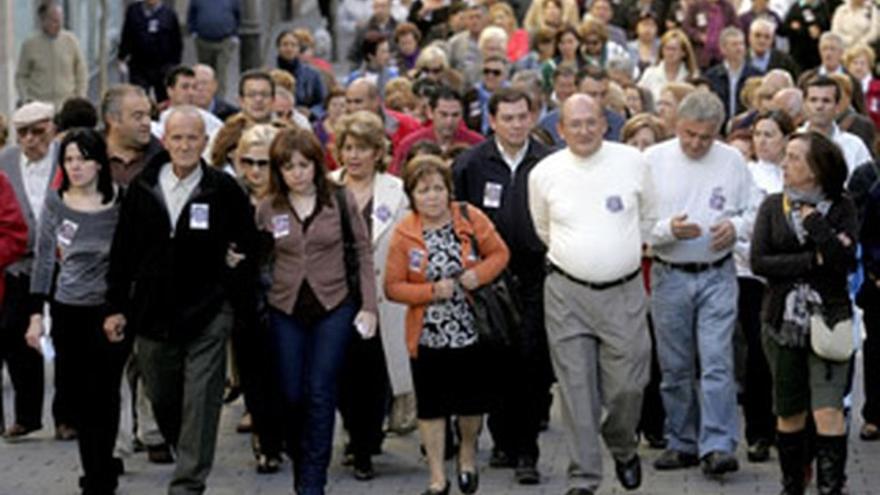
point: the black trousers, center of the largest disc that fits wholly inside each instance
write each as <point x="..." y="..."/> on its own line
<point x="757" y="396"/>
<point x="523" y="375"/>
<point x="259" y="383"/>
<point x="24" y="363"/>
<point x="150" y="78"/>
<point x="93" y="372"/>
<point x="869" y="300"/>
<point x="364" y="394"/>
<point x="653" y="414"/>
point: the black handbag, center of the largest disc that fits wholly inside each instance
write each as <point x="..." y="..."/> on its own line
<point x="496" y="305"/>
<point x="349" y="253"/>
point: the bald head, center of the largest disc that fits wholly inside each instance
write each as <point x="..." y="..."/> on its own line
<point x="206" y="85"/>
<point x="773" y="82"/>
<point x="791" y="102"/>
<point x="362" y="94"/>
<point x="582" y="124"/>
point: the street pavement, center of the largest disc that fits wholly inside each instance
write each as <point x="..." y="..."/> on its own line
<point x="40" y="465"/>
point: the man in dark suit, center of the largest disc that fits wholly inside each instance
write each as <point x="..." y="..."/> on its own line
<point x="727" y="78"/>
<point x="762" y="55"/>
<point x="493" y="176"/>
<point x="30" y="166"/>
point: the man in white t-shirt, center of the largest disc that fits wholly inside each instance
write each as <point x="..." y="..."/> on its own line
<point x="701" y="193"/>
<point x="587" y="203"/>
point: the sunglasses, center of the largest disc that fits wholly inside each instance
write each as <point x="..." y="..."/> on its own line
<point x="35" y="131"/>
<point x="250" y="162"/>
<point x="492" y="72"/>
<point x="433" y="70"/>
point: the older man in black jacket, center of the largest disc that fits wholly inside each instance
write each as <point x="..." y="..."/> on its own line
<point x="182" y="256"/>
<point x="494" y="176"/>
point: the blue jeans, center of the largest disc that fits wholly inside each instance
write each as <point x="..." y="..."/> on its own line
<point x="308" y="360"/>
<point x="694" y="317"/>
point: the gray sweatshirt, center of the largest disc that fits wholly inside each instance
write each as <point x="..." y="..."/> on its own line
<point x="80" y="243"/>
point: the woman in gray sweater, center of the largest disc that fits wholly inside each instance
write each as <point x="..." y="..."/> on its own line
<point x="75" y="232"/>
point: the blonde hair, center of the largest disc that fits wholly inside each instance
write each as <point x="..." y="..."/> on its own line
<point x="492" y="33"/>
<point x="505" y="9"/>
<point x="429" y="55"/>
<point x="255" y="136"/>
<point x="749" y="88"/>
<point x="283" y="79"/>
<point x="366" y="127"/>
<point x="534" y="19"/>
<point x="860" y="50"/>
<point x="690" y="59"/>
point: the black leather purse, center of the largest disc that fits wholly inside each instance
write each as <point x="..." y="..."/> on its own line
<point x="496" y="305"/>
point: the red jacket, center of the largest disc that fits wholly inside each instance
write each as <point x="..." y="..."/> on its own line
<point x="462" y="135"/>
<point x="13" y="229"/>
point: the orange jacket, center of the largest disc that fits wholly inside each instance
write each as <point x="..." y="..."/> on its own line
<point x="405" y="280"/>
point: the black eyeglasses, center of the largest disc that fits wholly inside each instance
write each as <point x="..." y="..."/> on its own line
<point x="492" y="72"/>
<point x="433" y="70"/>
<point x="250" y="162"/>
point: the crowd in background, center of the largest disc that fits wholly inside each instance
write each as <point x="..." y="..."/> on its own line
<point x="678" y="197"/>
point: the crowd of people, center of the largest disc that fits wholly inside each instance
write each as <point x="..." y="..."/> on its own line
<point x="680" y="200"/>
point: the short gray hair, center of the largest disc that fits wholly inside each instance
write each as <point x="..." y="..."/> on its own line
<point x="765" y="22"/>
<point x="729" y="32"/>
<point x="111" y="103"/>
<point x="831" y="36"/>
<point x="622" y="64"/>
<point x="189" y="110"/>
<point x="702" y="106"/>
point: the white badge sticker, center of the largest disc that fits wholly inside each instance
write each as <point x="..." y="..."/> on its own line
<point x="153" y="26"/>
<point x="492" y="195"/>
<point x="66" y="232"/>
<point x="809" y="16"/>
<point x="702" y="20"/>
<point x="198" y="216"/>
<point x="280" y="226"/>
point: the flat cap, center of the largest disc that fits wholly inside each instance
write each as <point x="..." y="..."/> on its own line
<point x="32" y="113"/>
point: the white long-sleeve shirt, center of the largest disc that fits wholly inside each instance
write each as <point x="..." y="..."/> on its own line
<point x="588" y="210"/>
<point x="767" y="178"/>
<point x="714" y="188"/>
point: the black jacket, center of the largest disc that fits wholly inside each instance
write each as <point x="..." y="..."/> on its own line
<point x="150" y="43"/>
<point x="781" y="60"/>
<point x="719" y="80"/>
<point x="869" y="295"/>
<point x="777" y="255"/>
<point x="170" y="283"/>
<point x="804" y="48"/>
<point x="482" y="165"/>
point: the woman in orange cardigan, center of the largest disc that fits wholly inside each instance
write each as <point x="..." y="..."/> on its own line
<point x="431" y="267"/>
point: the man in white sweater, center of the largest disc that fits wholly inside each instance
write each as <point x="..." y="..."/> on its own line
<point x="701" y="189"/>
<point x="587" y="203"/>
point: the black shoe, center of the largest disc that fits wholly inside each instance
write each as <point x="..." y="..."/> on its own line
<point x="363" y="468"/>
<point x="655" y="441"/>
<point x="468" y="481"/>
<point x="759" y="451"/>
<point x="268" y="464"/>
<point x="579" y="491"/>
<point x="672" y="459"/>
<point x="717" y="463"/>
<point x="526" y="472"/>
<point x="869" y="432"/>
<point x="160" y="454"/>
<point x="118" y="466"/>
<point x="444" y="491"/>
<point x="830" y="464"/>
<point x="629" y="473"/>
<point x="501" y="459"/>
